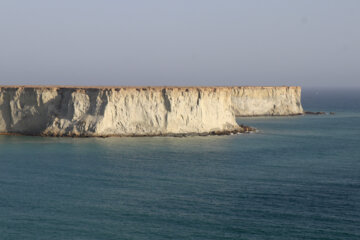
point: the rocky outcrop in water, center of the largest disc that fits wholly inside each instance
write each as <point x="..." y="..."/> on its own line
<point x="318" y="113"/>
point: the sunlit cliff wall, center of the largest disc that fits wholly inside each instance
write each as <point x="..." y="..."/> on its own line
<point x="112" y="111"/>
<point x="138" y="111"/>
<point x="266" y="101"/>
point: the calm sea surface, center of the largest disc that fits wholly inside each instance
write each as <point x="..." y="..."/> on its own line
<point x="299" y="178"/>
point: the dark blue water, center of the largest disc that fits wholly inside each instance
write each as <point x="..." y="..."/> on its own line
<point x="299" y="178"/>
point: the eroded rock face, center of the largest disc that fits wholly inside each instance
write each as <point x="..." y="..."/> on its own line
<point x="266" y="101"/>
<point x="70" y="111"/>
<point x="138" y="111"/>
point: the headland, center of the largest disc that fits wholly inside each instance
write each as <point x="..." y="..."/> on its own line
<point x="139" y="111"/>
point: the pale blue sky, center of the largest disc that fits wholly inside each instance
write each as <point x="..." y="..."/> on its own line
<point x="179" y="42"/>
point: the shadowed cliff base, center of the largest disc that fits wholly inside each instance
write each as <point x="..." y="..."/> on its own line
<point x="241" y="130"/>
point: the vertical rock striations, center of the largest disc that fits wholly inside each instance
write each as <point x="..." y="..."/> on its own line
<point x="138" y="111"/>
<point x="122" y="111"/>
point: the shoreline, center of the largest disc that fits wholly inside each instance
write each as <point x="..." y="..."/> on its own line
<point x="242" y="130"/>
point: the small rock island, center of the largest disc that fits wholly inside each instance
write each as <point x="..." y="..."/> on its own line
<point x="139" y="111"/>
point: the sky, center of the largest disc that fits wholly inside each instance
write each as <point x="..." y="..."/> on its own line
<point x="309" y="43"/>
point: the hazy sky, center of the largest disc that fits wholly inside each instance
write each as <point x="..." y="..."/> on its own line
<point x="180" y="42"/>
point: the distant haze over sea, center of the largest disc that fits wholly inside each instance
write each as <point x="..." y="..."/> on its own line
<point x="206" y="42"/>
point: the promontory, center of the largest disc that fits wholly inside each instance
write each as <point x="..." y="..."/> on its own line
<point x="138" y="111"/>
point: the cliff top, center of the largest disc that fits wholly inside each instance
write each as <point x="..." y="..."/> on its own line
<point x="135" y="87"/>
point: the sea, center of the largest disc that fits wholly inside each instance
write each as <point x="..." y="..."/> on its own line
<point x="296" y="178"/>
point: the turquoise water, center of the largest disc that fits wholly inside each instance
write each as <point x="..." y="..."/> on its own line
<point x="298" y="178"/>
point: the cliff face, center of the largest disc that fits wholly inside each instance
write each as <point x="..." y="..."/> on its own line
<point x="137" y="111"/>
<point x="266" y="101"/>
<point x="115" y="111"/>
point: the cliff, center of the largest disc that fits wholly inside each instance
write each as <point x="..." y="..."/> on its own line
<point x="111" y="111"/>
<point x="137" y="111"/>
<point x="266" y="101"/>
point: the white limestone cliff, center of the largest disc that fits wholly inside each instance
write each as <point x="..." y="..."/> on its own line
<point x="137" y="111"/>
<point x="128" y="111"/>
<point x="266" y="101"/>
